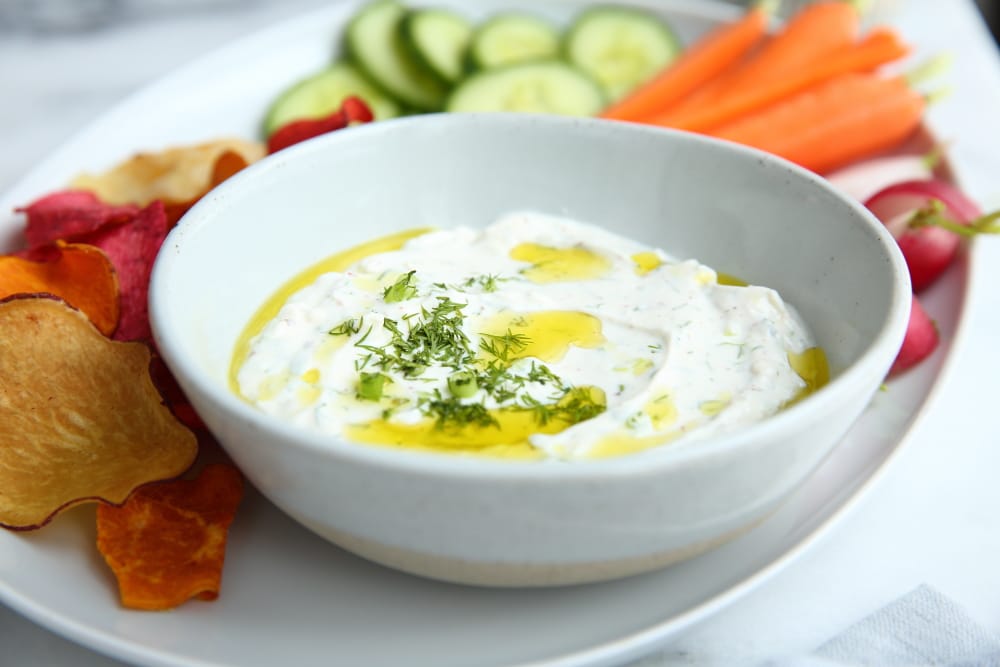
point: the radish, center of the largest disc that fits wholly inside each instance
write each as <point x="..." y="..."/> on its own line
<point x="927" y="219"/>
<point x="920" y="340"/>
<point x="863" y="179"/>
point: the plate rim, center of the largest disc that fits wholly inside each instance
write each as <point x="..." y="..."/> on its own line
<point x="633" y="645"/>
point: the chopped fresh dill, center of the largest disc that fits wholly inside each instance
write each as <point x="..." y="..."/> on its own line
<point x="389" y="325"/>
<point x="361" y="362"/>
<point x="347" y="327"/>
<point x="501" y="346"/>
<point x="364" y="337"/>
<point x="435" y="337"/>
<point x="577" y="404"/>
<point x="452" y="412"/>
<point x="542" y="375"/>
<point x="487" y="282"/>
<point x="496" y="380"/>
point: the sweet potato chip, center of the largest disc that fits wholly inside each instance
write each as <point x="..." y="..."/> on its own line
<point x="177" y="174"/>
<point x="132" y="249"/>
<point x="80" y="419"/>
<point x="70" y="214"/>
<point x="82" y="275"/>
<point x="167" y="543"/>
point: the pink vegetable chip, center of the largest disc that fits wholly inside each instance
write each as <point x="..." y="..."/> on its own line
<point x="70" y="214"/>
<point x="132" y="248"/>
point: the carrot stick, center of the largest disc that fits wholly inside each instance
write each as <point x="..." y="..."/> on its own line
<point x="882" y="45"/>
<point x="847" y="118"/>
<point x="817" y="30"/>
<point x="710" y="55"/>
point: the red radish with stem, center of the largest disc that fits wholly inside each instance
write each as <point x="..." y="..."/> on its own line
<point x="920" y="340"/>
<point x="928" y="219"/>
<point x="861" y="180"/>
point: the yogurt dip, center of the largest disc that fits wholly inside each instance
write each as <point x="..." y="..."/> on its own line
<point x="536" y="337"/>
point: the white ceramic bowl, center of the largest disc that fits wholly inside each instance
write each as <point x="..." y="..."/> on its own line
<point x="493" y="522"/>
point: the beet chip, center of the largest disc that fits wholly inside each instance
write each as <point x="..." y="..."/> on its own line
<point x="167" y="543"/>
<point x="80" y="419"/>
<point x="132" y="249"/>
<point x="173" y="395"/>
<point x="80" y="274"/>
<point x="70" y="214"/>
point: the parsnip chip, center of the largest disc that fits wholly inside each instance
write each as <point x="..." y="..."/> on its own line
<point x="80" y="274"/>
<point x="227" y="164"/>
<point x="80" y="418"/>
<point x="176" y="174"/>
<point x="167" y="543"/>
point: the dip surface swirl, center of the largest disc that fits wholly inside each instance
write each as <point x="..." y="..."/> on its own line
<point x="536" y="337"/>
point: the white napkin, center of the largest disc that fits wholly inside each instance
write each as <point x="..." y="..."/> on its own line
<point x="921" y="628"/>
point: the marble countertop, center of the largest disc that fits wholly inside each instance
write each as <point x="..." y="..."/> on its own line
<point x="933" y="517"/>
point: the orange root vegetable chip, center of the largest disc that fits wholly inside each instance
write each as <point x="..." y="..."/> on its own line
<point x="167" y="543"/>
<point x="177" y="174"/>
<point x="80" y="418"/>
<point x="81" y="275"/>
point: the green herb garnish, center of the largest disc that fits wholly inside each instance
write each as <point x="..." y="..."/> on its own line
<point x="436" y="338"/>
<point x="574" y="406"/>
<point x="503" y="345"/>
<point x="452" y="412"/>
<point x="370" y="386"/>
<point x="463" y="384"/>
<point x="487" y="282"/>
<point x="347" y="327"/>
<point x="401" y="290"/>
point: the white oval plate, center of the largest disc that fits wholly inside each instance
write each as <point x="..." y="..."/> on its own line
<point x="289" y="597"/>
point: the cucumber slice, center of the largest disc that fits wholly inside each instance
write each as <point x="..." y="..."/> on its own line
<point x="438" y="39"/>
<point x="375" y="42"/>
<point x="511" y="38"/>
<point x="620" y="47"/>
<point x="550" y="86"/>
<point x="322" y="93"/>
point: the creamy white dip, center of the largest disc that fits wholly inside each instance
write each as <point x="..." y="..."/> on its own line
<point x="463" y="332"/>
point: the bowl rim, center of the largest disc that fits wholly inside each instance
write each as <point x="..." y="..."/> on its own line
<point x="878" y="353"/>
